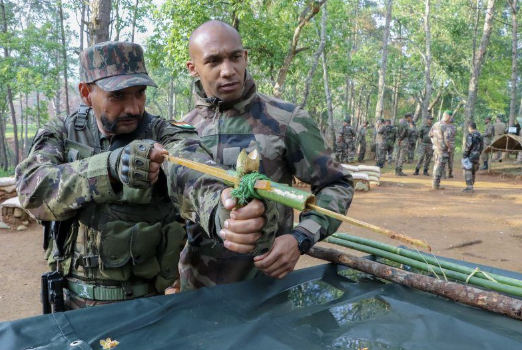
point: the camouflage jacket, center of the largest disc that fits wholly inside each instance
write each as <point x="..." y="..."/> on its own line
<point x="402" y="131"/>
<point x="391" y="135"/>
<point x="439" y="138"/>
<point x="424" y="134"/>
<point x="66" y="176"/>
<point x="347" y="134"/>
<point x="381" y="135"/>
<point x="361" y="135"/>
<point x="489" y="133"/>
<point x="412" y="135"/>
<point x="452" y="134"/>
<point x="473" y="147"/>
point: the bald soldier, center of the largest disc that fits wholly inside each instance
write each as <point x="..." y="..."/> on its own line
<point x="230" y="115"/>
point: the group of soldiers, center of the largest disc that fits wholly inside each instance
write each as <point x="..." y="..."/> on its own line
<point x="436" y="141"/>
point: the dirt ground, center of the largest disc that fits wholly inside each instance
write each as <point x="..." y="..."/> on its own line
<point x="445" y="219"/>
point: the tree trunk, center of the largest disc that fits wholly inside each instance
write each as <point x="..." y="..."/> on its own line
<point x="418" y="109"/>
<point x="82" y="23"/>
<point x="379" y="109"/>
<point x="117" y="24"/>
<point x="4" y="158"/>
<point x="26" y="139"/>
<point x="170" y="98"/>
<point x="309" y="12"/>
<point x="435" y="101"/>
<point x="491" y="301"/>
<point x="9" y="91"/>
<point x="100" y="20"/>
<point x="352" y="48"/>
<point x="396" y="88"/>
<point x="440" y="108"/>
<point x="134" y="18"/>
<point x="427" y="91"/>
<point x="38" y="117"/>
<point x="477" y="67"/>
<point x="514" y="48"/>
<point x="64" y="57"/>
<point x="317" y="55"/>
<point x="21" y="122"/>
<point x="329" y="102"/>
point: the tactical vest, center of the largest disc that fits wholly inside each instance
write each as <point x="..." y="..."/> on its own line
<point x="134" y="239"/>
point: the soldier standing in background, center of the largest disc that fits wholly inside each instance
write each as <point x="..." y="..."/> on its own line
<point x="230" y="115"/>
<point x="361" y="141"/>
<point x="488" y="135"/>
<point x="425" y="147"/>
<point x="380" y="143"/>
<point x="452" y="134"/>
<point x="402" y="144"/>
<point x="472" y="151"/>
<point x="441" y="147"/>
<point x="412" y="138"/>
<point x="390" y="140"/>
<point x="347" y="141"/>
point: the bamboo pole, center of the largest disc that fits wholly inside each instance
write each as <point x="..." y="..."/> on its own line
<point x="464" y="294"/>
<point x="429" y="268"/>
<point x="292" y="197"/>
<point x="429" y="259"/>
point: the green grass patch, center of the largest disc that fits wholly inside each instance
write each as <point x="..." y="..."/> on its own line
<point x="10" y="172"/>
<point x="31" y="131"/>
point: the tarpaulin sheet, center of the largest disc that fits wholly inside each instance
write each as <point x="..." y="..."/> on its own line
<point x="324" y="307"/>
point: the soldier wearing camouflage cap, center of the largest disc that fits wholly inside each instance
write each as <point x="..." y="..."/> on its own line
<point x="230" y="115"/>
<point x="99" y="175"/>
<point x="425" y="147"/>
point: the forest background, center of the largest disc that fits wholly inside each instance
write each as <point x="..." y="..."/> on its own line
<point x="367" y="59"/>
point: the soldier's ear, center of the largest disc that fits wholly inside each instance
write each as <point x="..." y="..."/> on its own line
<point x="192" y="69"/>
<point x="85" y="93"/>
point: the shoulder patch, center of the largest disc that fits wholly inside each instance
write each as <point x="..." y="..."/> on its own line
<point x="182" y="125"/>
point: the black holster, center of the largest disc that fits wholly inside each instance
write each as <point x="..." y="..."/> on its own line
<point x="52" y="296"/>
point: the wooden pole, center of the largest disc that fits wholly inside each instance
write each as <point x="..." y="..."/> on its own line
<point x="464" y="294"/>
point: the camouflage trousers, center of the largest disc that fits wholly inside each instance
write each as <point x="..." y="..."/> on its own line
<point x="438" y="168"/>
<point x="425" y="155"/>
<point x="469" y="174"/>
<point x="411" y="152"/>
<point x="349" y="152"/>
<point x="485" y="156"/>
<point x="450" y="161"/>
<point x="380" y="154"/>
<point x="402" y="150"/>
<point x="389" y="152"/>
<point x="362" y="151"/>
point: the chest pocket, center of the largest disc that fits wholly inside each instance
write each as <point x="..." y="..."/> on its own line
<point x="76" y="151"/>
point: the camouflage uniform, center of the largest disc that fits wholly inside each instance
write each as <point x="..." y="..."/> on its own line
<point x="347" y="142"/>
<point x="425" y="149"/>
<point x="412" y="142"/>
<point x="361" y="140"/>
<point x="472" y="151"/>
<point x="402" y="146"/>
<point x="440" y="140"/>
<point x="488" y="135"/>
<point x="391" y="136"/>
<point x="122" y="242"/>
<point x="380" y="145"/>
<point x="452" y="134"/>
<point x="290" y="144"/>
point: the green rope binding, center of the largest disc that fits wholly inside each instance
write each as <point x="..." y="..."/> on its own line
<point x="245" y="190"/>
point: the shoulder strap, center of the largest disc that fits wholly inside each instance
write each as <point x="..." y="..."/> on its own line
<point x="81" y="117"/>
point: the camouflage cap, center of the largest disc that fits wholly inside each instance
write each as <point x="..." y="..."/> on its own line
<point x="114" y="65"/>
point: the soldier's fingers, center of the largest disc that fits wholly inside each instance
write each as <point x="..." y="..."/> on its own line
<point x="239" y="248"/>
<point x="154" y="167"/>
<point x="157" y="152"/>
<point x="266" y="262"/>
<point x="228" y="201"/>
<point x="254" y="209"/>
<point x="153" y="177"/>
<point x="239" y="238"/>
<point x="245" y="226"/>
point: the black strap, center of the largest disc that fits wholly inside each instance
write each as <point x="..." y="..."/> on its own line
<point x="81" y="117"/>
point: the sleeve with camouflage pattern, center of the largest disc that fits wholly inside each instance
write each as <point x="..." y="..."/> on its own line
<point x="51" y="188"/>
<point x="310" y="159"/>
